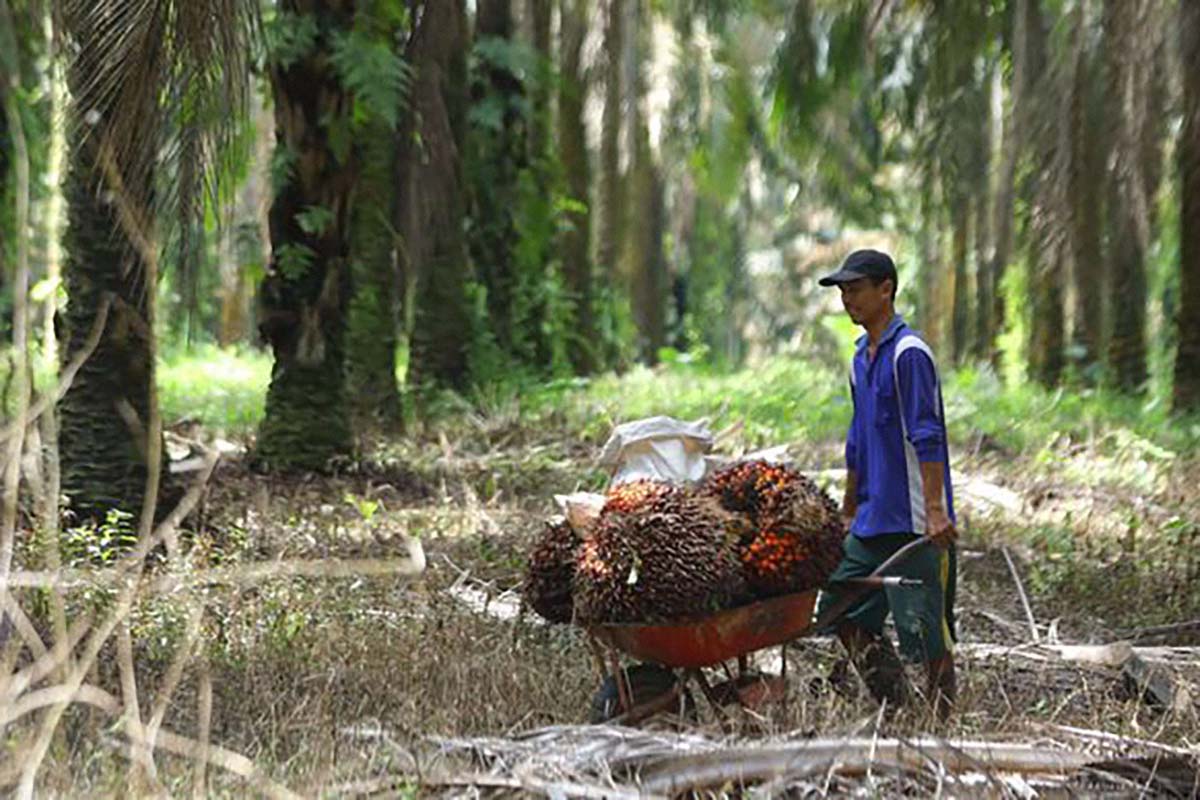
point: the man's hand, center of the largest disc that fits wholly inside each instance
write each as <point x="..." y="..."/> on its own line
<point x="938" y="526"/>
<point x="849" y="500"/>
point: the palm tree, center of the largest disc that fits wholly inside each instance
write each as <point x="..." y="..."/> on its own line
<point x="498" y="153"/>
<point x="1046" y="239"/>
<point x="306" y="292"/>
<point x="1085" y="190"/>
<point x="609" y="233"/>
<point x="146" y="79"/>
<point x="1187" y="360"/>
<point x="431" y="208"/>
<point x="572" y="152"/>
<point x="1126" y="200"/>
<point x="373" y="313"/>
<point x="643" y="262"/>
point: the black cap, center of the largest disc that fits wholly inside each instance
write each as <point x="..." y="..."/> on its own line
<point x="862" y="264"/>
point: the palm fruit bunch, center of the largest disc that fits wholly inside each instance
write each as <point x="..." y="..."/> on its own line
<point x="664" y="556"/>
<point x="551" y="570"/>
<point x="795" y="539"/>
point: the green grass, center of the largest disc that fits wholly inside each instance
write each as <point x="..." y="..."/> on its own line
<point x="1026" y="418"/>
<point x="784" y="400"/>
<point x="223" y="389"/>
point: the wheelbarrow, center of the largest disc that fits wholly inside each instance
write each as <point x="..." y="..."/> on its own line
<point x="675" y="654"/>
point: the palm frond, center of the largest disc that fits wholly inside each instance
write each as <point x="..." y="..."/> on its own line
<point x="164" y="85"/>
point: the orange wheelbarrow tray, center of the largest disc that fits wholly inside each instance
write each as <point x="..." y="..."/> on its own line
<point x="711" y="639"/>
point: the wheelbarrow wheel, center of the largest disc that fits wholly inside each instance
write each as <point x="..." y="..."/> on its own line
<point x="646" y="682"/>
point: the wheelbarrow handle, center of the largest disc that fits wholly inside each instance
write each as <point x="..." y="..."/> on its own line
<point x="876" y="579"/>
<point x="880" y="581"/>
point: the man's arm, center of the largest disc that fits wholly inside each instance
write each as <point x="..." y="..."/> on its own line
<point x="927" y="433"/>
<point x="850" y="498"/>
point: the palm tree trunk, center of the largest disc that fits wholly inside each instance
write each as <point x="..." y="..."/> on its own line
<point x="1186" y="396"/>
<point x="984" y="239"/>
<point x="431" y="206"/>
<point x="106" y="411"/>
<point x="372" y="333"/>
<point x="306" y="292"/>
<point x="1012" y="143"/>
<point x="539" y="13"/>
<point x="572" y="153"/>
<point x="644" y="256"/>
<point x="498" y="155"/>
<point x="1047" y="239"/>
<point x="642" y="260"/>
<point x="5" y="149"/>
<point x="1086" y="193"/>
<point x="372" y="322"/>
<point x="246" y="238"/>
<point x="1151" y="97"/>
<point x="609" y="234"/>
<point x="931" y="280"/>
<point x="53" y="203"/>
<point x="1126" y="195"/>
<point x="961" y="314"/>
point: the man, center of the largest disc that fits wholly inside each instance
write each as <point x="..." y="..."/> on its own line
<point x="898" y="491"/>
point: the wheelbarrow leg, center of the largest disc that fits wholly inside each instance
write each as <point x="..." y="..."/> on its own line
<point x="783" y="677"/>
<point x="623" y="693"/>
<point x="711" y="696"/>
<point x="597" y="657"/>
<point x="667" y="701"/>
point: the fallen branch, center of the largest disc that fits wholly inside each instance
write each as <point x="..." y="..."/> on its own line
<point x="204" y="697"/>
<point x="1114" y="654"/>
<point x="676" y="775"/>
<point x="1162" y="631"/>
<point x="1121" y="740"/>
<point x="1012" y="568"/>
<point x="526" y="783"/>
<point x="244" y="575"/>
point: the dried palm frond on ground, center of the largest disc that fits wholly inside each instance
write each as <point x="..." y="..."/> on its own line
<point x="668" y="559"/>
<point x="795" y="540"/>
<point x="548" y="580"/>
<point x="610" y="761"/>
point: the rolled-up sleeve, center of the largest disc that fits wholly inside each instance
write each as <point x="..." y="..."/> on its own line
<point x="919" y="404"/>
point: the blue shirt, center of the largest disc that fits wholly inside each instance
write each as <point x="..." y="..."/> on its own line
<point x="898" y="423"/>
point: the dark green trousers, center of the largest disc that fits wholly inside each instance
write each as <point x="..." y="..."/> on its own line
<point x="923" y="616"/>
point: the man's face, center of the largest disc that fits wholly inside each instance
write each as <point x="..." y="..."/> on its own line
<point x="864" y="301"/>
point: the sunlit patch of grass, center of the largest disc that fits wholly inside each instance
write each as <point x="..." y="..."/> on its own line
<point x="1030" y="419"/>
<point x="782" y="401"/>
<point x="224" y="389"/>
